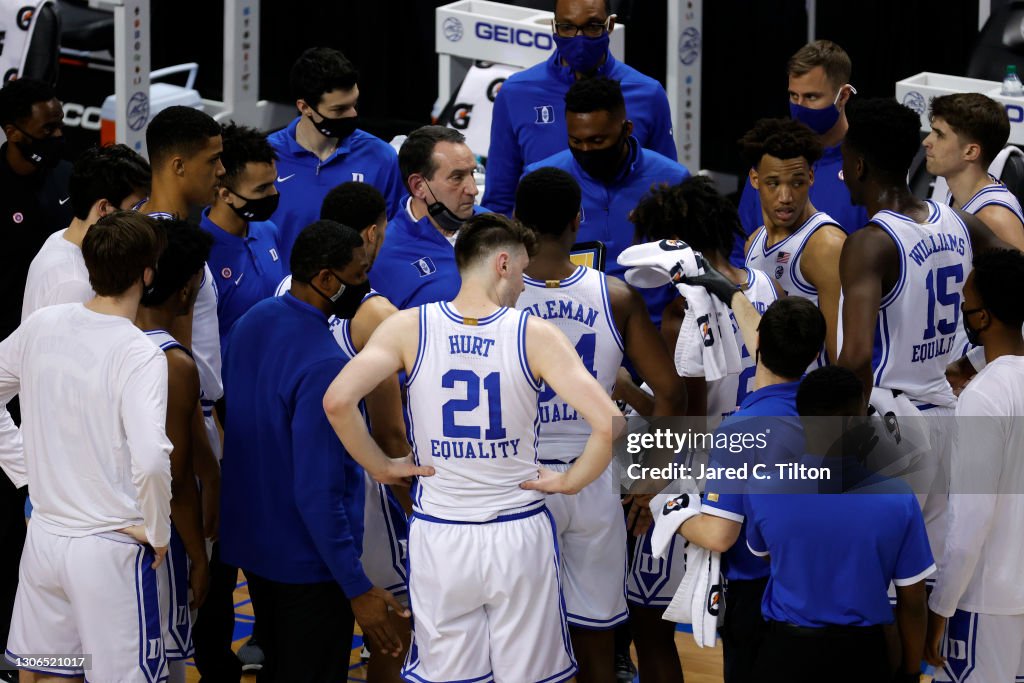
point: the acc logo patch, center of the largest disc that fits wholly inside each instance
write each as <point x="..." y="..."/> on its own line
<point x="225" y="273"/>
<point x="24" y="18"/>
<point x="680" y="501"/>
<point x="673" y="245"/>
<point x="18" y="217"/>
<point x="714" y="600"/>
<point x="704" y="325"/>
<point x="892" y="425"/>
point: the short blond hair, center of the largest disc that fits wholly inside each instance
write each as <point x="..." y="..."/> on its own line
<point x="826" y="54"/>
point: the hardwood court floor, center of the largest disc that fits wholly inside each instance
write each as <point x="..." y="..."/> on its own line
<point x="699" y="665"/>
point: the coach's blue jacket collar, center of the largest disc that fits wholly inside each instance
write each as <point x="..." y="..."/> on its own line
<point x="566" y="73"/>
<point x="422" y="228"/>
<point x="293" y="148"/>
<point x="301" y="306"/>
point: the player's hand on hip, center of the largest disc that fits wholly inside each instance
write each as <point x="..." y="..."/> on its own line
<point x="371" y="613"/>
<point x="159" y="553"/>
<point x="933" y="641"/>
<point x="549" y="481"/>
<point x="138" y="532"/>
<point x="400" y="471"/>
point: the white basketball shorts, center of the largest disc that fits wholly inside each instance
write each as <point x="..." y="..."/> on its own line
<point x="652" y="582"/>
<point x="592" y="541"/>
<point x="172" y="582"/>
<point x="980" y="648"/>
<point x="96" y="595"/>
<point x="486" y="601"/>
<point x="385" y="540"/>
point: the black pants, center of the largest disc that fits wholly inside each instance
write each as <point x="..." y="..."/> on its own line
<point x="843" y="654"/>
<point x="743" y="630"/>
<point x="215" y="626"/>
<point x="12" y="539"/>
<point x="305" y="630"/>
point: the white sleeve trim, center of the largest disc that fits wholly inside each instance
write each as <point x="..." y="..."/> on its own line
<point x="708" y="509"/>
<point x="914" y="579"/>
<point x="759" y="553"/>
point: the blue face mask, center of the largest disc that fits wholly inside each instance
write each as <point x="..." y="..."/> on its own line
<point x="820" y="121"/>
<point x="581" y="53"/>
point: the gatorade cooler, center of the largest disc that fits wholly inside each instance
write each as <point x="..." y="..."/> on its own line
<point x="161" y="96"/>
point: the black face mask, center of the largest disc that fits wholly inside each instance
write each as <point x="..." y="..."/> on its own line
<point x="335" y="128"/>
<point x="442" y="215"/>
<point x="973" y="333"/>
<point x="256" y="210"/>
<point x="605" y="164"/>
<point x="41" y="152"/>
<point x="348" y="303"/>
<point x="340" y="304"/>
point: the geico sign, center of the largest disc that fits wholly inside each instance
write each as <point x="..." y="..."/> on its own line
<point x="514" y="36"/>
<point x="88" y="118"/>
<point x="1015" y="113"/>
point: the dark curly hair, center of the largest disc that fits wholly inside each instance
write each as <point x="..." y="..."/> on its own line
<point x="692" y="211"/>
<point x="782" y="139"/>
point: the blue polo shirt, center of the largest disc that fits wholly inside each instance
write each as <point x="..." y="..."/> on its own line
<point x="245" y="270"/>
<point x="291" y="496"/>
<point x="528" y="122"/>
<point x="769" y="408"/>
<point x="834" y="554"/>
<point x="828" y="194"/>
<point x="605" y="207"/>
<point x="416" y="264"/>
<point x="303" y="180"/>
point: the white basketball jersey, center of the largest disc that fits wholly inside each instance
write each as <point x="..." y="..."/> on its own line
<point x="726" y="394"/>
<point x="993" y="194"/>
<point x="918" y="320"/>
<point x="165" y="341"/>
<point x="579" y="307"/>
<point x="472" y="415"/>
<point x="782" y="259"/>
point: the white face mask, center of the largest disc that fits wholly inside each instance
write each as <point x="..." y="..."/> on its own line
<point x="451" y="239"/>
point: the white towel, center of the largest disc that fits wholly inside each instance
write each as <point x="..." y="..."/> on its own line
<point x="670" y="510"/>
<point x="904" y="449"/>
<point x="699" y="600"/>
<point x="708" y="344"/>
<point x="650" y="264"/>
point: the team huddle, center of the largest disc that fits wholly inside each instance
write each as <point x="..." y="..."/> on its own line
<point x="318" y="360"/>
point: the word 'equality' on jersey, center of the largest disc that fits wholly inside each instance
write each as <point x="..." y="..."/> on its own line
<point x="932" y="349"/>
<point x="556" y="412"/>
<point x="473" y="450"/>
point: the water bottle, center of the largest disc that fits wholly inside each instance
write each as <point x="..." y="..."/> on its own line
<point x="1011" y="83"/>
